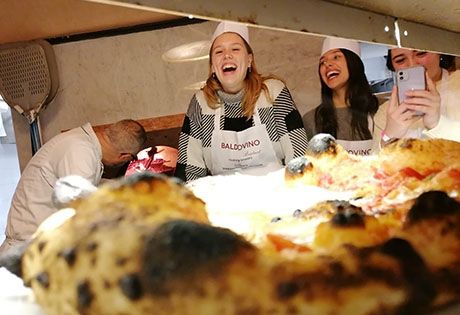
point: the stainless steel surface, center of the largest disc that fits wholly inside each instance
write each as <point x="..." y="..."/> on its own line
<point x="444" y="14"/>
<point x="436" y="24"/>
<point x="366" y="22"/>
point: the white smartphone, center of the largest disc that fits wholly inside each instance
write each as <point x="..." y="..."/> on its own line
<point x="410" y="79"/>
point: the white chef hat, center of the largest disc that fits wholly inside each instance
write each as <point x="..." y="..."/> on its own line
<point x="232" y="27"/>
<point x="337" y="43"/>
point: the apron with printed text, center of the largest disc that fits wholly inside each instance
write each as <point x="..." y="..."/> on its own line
<point x="248" y="151"/>
<point x="359" y="147"/>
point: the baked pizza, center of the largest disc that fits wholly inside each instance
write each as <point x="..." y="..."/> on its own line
<point x="401" y="171"/>
<point x="146" y="244"/>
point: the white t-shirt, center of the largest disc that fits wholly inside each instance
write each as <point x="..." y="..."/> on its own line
<point x="75" y="152"/>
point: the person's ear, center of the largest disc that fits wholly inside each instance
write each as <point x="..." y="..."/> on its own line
<point x="127" y="156"/>
<point x="213" y="70"/>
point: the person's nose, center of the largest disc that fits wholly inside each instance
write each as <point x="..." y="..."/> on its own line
<point x="411" y="62"/>
<point x="228" y="55"/>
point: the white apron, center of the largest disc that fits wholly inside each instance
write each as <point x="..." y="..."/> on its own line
<point x="359" y="147"/>
<point x="249" y="151"/>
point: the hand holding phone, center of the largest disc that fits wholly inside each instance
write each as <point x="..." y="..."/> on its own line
<point x="410" y="79"/>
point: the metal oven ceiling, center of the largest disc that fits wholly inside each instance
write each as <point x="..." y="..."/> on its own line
<point x="433" y="25"/>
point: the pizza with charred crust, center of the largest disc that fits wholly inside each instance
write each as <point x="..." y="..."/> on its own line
<point x="401" y="171"/>
<point x="145" y="245"/>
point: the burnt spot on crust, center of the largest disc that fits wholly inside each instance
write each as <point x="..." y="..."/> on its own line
<point x="69" y="255"/>
<point x="343" y="205"/>
<point x="146" y="177"/>
<point x="107" y="284"/>
<point x="286" y="290"/>
<point x="91" y="246"/>
<point x="41" y="246"/>
<point x="322" y="143"/>
<point x="103" y="223"/>
<point x="406" y="143"/>
<point x="323" y="209"/>
<point x="84" y="295"/>
<point x="94" y="227"/>
<point x="432" y="204"/>
<point x="297" y="213"/>
<point x="120" y="218"/>
<point x="342" y="213"/>
<point x="298" y="166"/>
<point x="449" y="226"/>
<point x="131" y="286"/>
<point x="181" y="249"/>
<point x="121" y="261"/>
<point x="139" y="177"/>
<point x="422" y="290"/>
<point x="347" y="215"/>
<point x="43" y="279"/>
<point x="337" y="267"/>
<point x="334" y="276"/>
<point x="447" y="279"/>
<point x="409" y="274"/>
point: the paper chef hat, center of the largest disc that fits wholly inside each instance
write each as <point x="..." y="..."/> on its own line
<point x="336" y="43"/>
<point x="226" y="26"/>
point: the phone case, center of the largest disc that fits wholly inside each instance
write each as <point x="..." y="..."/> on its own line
<point x="409" y="79"/>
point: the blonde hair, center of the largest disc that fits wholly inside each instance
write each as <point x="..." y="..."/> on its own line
<point x="254" y="84"/>
<point x="126" y="136"/>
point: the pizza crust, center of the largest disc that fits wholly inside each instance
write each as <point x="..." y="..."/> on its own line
<point x="151" y="262"/>
<point x="425" y="155"/>
<point x="145" y="245"/>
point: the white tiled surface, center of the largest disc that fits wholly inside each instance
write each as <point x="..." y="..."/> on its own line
<point x="9" y="177"/>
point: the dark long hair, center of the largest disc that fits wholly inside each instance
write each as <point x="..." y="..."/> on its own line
<point x="358" y="95"/>
<point x="445" y="61"/>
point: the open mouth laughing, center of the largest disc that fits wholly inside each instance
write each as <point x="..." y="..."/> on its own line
<point x="229" y="68"/>
<point x="332" y="74"/>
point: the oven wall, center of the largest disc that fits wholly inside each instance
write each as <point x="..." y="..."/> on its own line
<point x="111" y="78"/>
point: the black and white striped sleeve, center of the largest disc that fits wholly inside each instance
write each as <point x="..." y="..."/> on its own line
<point x="190" y="163"/>
<point x="289" y="124"/>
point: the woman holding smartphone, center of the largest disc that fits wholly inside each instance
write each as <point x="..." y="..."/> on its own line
<point x="348" y="106"/>
<point x="431" y="113"/>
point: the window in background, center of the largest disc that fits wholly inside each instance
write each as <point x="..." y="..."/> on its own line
<point x="380" y="78"/>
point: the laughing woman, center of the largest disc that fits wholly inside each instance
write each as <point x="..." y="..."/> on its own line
<point x="239" y="121"/>
<point x="348" y="106"/>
